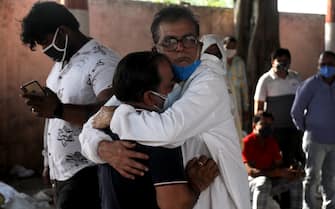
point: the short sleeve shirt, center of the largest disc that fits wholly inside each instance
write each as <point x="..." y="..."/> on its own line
<point x="279" y="95"/>
<point x="258" y="156"/>
<point x="88" y="72"/>
<point x="165" y="168"/>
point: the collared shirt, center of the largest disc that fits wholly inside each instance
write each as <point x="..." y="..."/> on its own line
<point x="278" y="93"/>
<point x="313" y="109"/>
<point x="201" y="121"/>
<point x="88" y="72"/>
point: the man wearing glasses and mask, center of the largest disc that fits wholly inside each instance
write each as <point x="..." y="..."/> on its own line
<point x="78" y="84"/>
<point x="199" y="119"/>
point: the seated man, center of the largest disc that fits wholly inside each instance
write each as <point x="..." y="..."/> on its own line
<point x="142" y="80"/>
<point x="263" y="160"/>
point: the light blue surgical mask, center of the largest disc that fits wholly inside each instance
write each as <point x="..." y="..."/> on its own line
<point x="182" y="73"/>
<point x="163" y="97"/>
<point x="169" y="99"/>
<point x="172" y="96"/>
<point x="327" y="71"/>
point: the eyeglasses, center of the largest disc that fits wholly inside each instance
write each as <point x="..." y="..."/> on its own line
<point x="171" y="43"/>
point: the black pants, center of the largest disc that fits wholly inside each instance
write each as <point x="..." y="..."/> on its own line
<point x="290" y="144"/>
<point x="81" y="191"/>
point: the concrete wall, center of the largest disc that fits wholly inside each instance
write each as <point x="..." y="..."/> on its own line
<point x="124" y="26"/>
<point x="303" y="34"/>
<point x="21" y="134"/>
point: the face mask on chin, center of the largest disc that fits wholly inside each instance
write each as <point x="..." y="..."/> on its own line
<point x="182" y="73"/>
<point x="53" y="51"/>
<point x="327" y="71"/>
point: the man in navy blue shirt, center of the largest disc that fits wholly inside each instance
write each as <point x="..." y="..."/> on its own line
<point x="313" y="111"/>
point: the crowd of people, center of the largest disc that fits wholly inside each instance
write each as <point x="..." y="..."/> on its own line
<point x="164" y="128"/>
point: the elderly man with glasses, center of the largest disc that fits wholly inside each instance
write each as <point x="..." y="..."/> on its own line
<point x="199" y="119"/>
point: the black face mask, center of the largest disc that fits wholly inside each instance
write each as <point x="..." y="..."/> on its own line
<point x="54" y="54"/>
<point x="265" y="131"/>
<point x="282" y="66"/>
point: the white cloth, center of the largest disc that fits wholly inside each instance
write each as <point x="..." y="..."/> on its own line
<point x="200" y="117"/>
<point x="207" y="41"/>
<point x="88" y="72"/>
<point x="210" y="39"/>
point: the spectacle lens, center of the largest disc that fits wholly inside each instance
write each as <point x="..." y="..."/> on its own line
<point x="171" y="43"/>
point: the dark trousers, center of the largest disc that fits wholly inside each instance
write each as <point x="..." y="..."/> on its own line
<point x="81" y="191"/>
<point x="290" y="144"/>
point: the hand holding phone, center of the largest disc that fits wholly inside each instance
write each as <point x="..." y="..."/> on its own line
<point x="33" y="88"/>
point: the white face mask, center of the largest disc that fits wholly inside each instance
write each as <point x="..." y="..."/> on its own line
<point x="231" y="53"/>
<point x="53" y="51"/>
<point x="169" y="99"/>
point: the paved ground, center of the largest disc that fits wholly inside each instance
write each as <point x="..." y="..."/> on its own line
<point x="30" y="186"/>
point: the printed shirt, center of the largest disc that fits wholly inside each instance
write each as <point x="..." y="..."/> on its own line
<point x="88" y="72"/>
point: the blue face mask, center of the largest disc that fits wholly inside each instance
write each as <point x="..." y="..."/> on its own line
<point x="183" y="73"/>
<point x="327" y="71"/>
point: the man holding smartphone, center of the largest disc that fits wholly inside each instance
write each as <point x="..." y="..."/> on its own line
<point x="78" y="84"/>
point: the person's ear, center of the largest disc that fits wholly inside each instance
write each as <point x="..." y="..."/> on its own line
<point x="148" y="98"/>
<point x="64" y="30"/>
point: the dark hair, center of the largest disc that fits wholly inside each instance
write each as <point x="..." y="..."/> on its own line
<point x="137" y="73"/>
<point x="45" y="18"/>
<point x="329" y="53"/>
<point x="229" y="39"/>
<point x="280" y="52"/>
<point x="172" y="14"/>
<point x="260" y="115"/>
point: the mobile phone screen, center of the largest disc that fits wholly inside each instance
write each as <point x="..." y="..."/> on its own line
<point x="33" y="88"/>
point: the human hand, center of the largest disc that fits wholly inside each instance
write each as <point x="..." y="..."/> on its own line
<point x="201" y="172"/>
<point x="42" y="106"/>
<point x="121" y="157"/>
<point x="296" y="173"/>
<point x="46" y="176"/>
<point x="103" y="118"/>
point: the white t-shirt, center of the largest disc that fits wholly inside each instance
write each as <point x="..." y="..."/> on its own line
<point x="88" y="72"/>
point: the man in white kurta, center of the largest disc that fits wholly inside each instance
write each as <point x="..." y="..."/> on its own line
<point x="200" y="119"/>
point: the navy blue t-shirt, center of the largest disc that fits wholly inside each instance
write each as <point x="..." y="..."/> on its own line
<point x="165" y="167"/>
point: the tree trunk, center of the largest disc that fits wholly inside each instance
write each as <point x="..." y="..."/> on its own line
<point x="259" y="20"/>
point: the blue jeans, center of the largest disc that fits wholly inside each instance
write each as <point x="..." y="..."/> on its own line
<point x="320" y="169"/>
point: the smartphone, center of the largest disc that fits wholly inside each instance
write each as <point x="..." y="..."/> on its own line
<point x="33" y="88"/>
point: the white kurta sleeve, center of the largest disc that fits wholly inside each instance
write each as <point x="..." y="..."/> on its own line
<point x="90" y="137"/>
<point x="188" y="116"/>
<point x="89" y="140"/>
